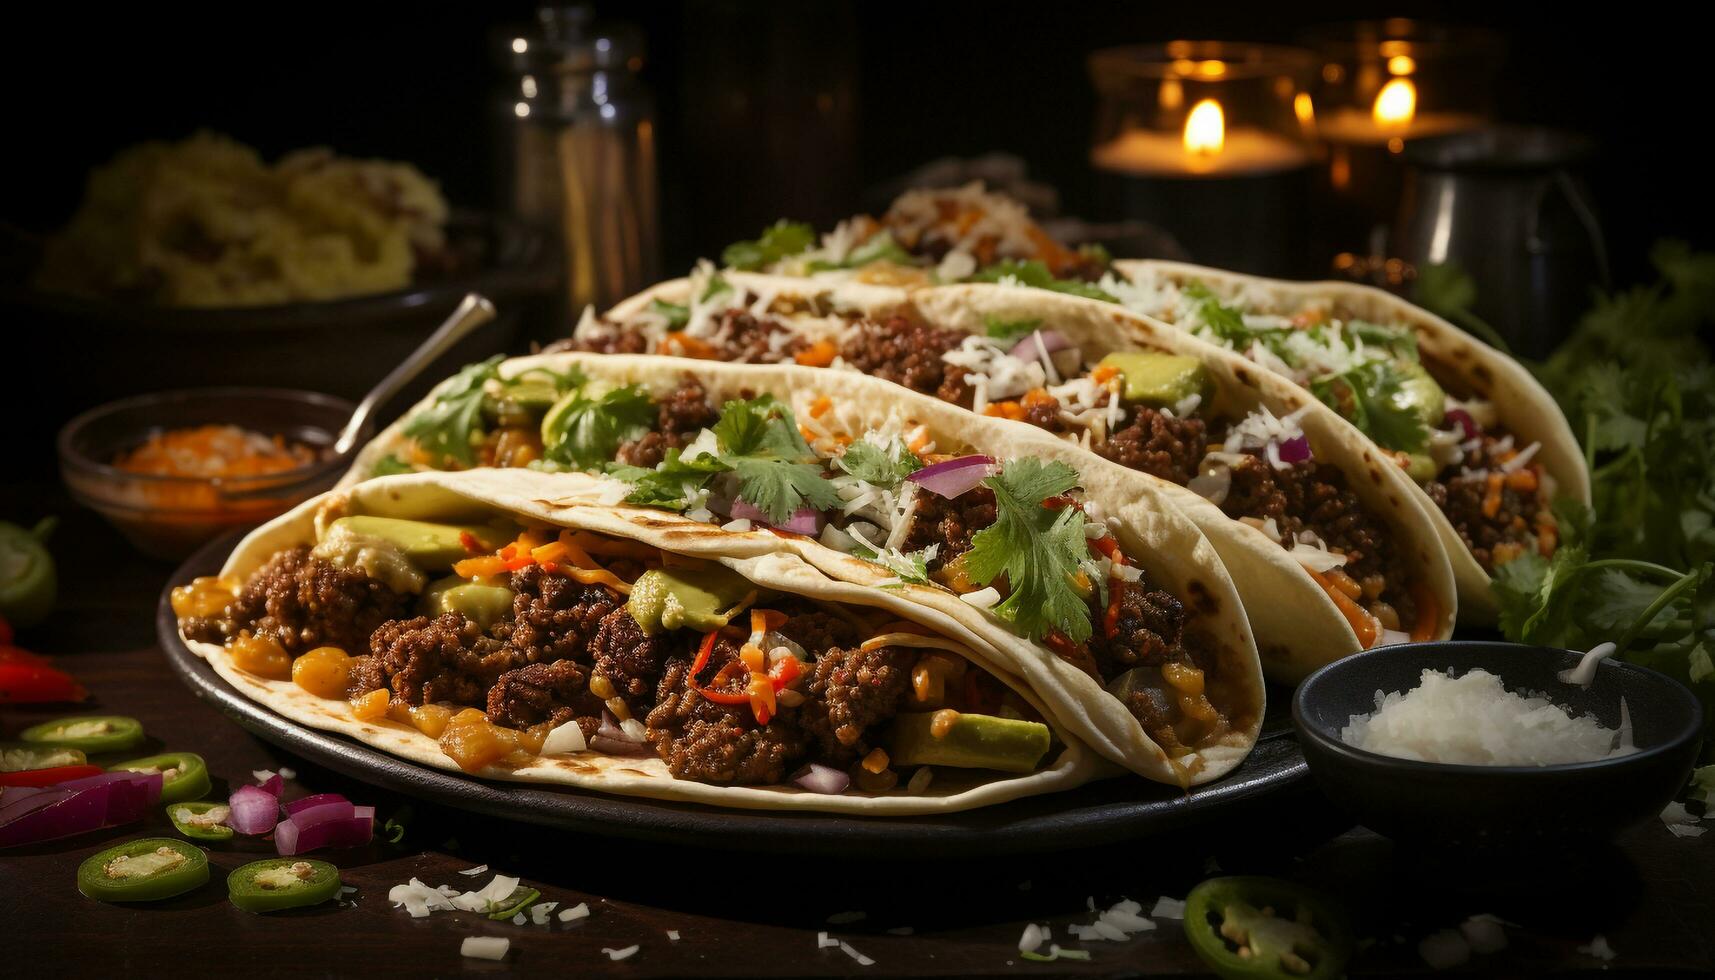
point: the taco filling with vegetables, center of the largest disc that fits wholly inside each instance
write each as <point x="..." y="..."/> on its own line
<point x="1150" y="411"/>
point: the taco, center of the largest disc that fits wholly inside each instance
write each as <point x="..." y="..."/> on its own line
<point x="1108" y="589"/>
<point x="1473" y="429"/>
<point x="1324" y="537"/>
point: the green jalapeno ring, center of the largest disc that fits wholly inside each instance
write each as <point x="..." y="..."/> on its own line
<point x="279" y="883"/>
<point x="93" y="734"/>
<point x="1305" y="937"/>
<point x="176" y="813"/>
<point x="24" y="756"/>
<point x="190" y="782"/>
<point x="144" y="870"/>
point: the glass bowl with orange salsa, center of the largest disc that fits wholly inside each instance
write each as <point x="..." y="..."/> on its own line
<point x="174" y="469"/>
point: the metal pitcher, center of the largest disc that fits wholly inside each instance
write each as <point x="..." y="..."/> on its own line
<point x="1505" y="205"/>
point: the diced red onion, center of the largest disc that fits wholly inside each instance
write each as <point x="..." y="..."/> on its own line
<point x="954" y="477"/>
<point x="296" y="806"/>
<point x="293" y="836"/>
<point x="310" y="816"/>
<point x="1040" y="343"/>
<point x="818" y="778"/>
<point x="273" y="785"/>
<point x="1466" y="423"/>
<point x="805" y="520"/>
<point x="76" y="806"/>
<point x="1295" y="449"/>
<point x="254" y="810"/>
<point x="610" y="739"/>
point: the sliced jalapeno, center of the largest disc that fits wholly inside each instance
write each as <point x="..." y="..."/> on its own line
<point x="22" y="756"/>
<point x="282" y="883"/>
<point x="145" y="870"/>
<point x="202" y="820"/>
<point x="521" y="898"/>
<point x="1247" y="928"/>
<point x="91" y="733"/>
<point x="184" y="776"/>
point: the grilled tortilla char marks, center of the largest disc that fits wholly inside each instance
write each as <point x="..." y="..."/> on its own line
<point x="303" y="602"/>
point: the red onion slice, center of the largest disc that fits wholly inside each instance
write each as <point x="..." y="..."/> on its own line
<point x="610" y="739"/>
<point x="1044" y="341"/>
<point x="805" y="520"/>
<point x="1295" y="449"/>
<point x="818" y="778"/>
<point x="254" y="810"/>
<point x="291" y="837"/>
<point x="1466" y="423"/>
<point x="273" y="786"/>
<point x="954" y="477"/>
<point x="319" y="799"/>
<point x="309" y="817"/>
<point x="76" y="806"/>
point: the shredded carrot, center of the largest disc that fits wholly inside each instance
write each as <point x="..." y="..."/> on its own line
<point x="1345" y="583"/>
<point x="1522" y="480"/>
<point x="1363" y="624"/>
<point x="1492" y="498"/>
<point x="819" y="354"/>
<point x="764" y="620"/>
<point x="480" y="567"/>
<point x="553" y="551"/>
<point x="1428" y="613"/>
<point x="1104" y="373"/>
<point x="820" y="407"/>
<point x="600" y="576"/>
<point x="1037" y="396"/>
<point x="679" y="345"/>
<point x="1005" y="410"/>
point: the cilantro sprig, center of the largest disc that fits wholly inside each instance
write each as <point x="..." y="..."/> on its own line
<point x="1373" y="397"/>
<point x="1036" y="549"/>
<point x="879" y="247"/>
<point x="1035" y="273"/>
<point x="883" y="466"/>
<point x="776" y="242"/>
<point x="584" y="433"/>
<point x="451" y="426"/>
<point x="1006" y="333"/>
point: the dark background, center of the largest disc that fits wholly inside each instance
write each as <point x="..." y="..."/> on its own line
<point x="926" y="79"/>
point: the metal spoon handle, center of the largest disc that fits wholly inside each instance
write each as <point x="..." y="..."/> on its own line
<point x="472" y="312"/>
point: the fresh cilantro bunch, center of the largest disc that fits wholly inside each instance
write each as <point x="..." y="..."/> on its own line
<point x="1638" y="567"/>
<point x="758" y="442"/>
<point x="1223" y="321"/>
<point x="1036" y="548"/>
<point x="583" y="433"/>
<point x="776" y="242"/>
<point x="1372" y="396"/>
<point x="885" y="466"/>
<point x="1035" y="273"/>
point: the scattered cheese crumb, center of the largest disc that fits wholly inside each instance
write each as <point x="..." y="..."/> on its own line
<point x="473" y="872"/>
<point x="578" y="911"/>
<point x="1599" y="948"/>
<point x="824" y="942"/>
<point x="485" y="947"/>
<point x="854" y="954"/>
<point x="672" y="935"/>
<point x="286" y="773"/>
<point x="1166" y="908"/>
<point x="619" y="954"/>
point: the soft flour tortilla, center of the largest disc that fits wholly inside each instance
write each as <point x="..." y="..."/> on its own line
<point x="1150" y="529"/>
<point x="1296" y="626"/>
<point x="477" y="494"/>
<point x="1472" y="367"/>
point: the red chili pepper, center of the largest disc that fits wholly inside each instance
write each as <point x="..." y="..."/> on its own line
<point x="1060" y="500"/>
<point x="1111" y="618"/>
<point x="51" y="776"/>
<point x="703" y="653"/>
<point x="27" y="683"/>
<point x="470" y="544"/>
<point x="784" y="672"/>
<point x="1109" y="548"/>
<point x="19" y="655"/>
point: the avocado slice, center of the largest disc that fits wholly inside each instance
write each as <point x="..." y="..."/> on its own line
<point x="1162" y="380"/>
<point x="971" y="742"/>
<point x="484" y="601"/>
<point x="429" y="545"/>
<point x="1421" y="467"/>
<point x="702" y="599"/>
<point x="1419" y="393"/>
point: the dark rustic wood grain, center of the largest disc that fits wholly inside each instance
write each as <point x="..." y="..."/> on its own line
<point x="1652" y="895"/>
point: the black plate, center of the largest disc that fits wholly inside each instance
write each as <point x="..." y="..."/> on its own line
<point x="1097" y="813"/>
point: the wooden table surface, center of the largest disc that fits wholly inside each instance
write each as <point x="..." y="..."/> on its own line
<point x="1652" y="895"/>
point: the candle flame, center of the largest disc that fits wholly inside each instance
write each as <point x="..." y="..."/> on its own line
<point x="1396" y="103"/>
<point x="1205" y="128"/>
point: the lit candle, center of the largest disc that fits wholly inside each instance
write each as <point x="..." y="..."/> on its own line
<point x="1205" y="148"/>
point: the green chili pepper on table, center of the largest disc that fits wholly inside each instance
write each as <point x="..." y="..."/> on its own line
<point x="201" y="820"/>
<point x="145" y="870"/>
<point x="1256" y="928"/>
<point x="282" y="883"/>
<point x="185" y="775"/>
<point x="91" y="733"/>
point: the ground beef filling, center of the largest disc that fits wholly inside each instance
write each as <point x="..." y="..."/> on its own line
<point x="905" y="352"/>
<point x="1161" y="445"/>
<point x="1496" y="537"/>
<point x="614" y="339"/>
<point x="303" y="602"/>
<point x="948" y="524"/>
<point x="682" y="414"/>
<point x="1314" y="496"/>
<point x="746" y="339"/>
<point x="851" y="691"/>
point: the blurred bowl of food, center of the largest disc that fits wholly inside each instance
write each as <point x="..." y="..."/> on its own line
<point x="197" y="263"/>
<point x="174" y="469"/>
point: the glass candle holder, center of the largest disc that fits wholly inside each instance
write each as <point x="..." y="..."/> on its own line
<point x="1380" y="85"/>
<point x="1207" y="140"/>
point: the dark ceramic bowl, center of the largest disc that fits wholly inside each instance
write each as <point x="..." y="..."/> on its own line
<point x="95" y="351"/>
<point x="1466" y="806"/>
<point x="171" y="516"/>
